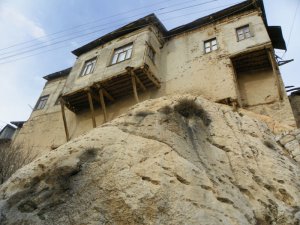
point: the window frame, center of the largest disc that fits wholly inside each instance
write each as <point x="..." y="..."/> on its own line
<point x="85" y="65"/>
<point x="211" y="45"/>
<point x="121" y="49"/>
<point x="38" y="105"/>
<point x="151" y="56"/>
<point x="244" y="33"/>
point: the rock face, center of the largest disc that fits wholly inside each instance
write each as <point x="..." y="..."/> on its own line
<point x="175" y="160"/>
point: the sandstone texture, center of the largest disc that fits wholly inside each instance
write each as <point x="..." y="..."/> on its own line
<point x="173" y="160"/>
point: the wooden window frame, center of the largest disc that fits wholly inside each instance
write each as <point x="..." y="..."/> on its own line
<point x="87" y="64"/>
<point x="118" y="52"/>
<point x="151" y="53"/>
<point x="243" y="32"/>
<point x="209" y="46"/>
<point x="41" y="103"/>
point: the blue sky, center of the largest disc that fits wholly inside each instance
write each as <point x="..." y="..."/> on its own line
<point x="22" y="68"/>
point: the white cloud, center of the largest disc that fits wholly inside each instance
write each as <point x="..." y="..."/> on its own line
<point x="17" y="19"/>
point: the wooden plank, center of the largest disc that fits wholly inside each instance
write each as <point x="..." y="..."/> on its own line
<point x="62" y="104"/>
<point x="92" y="108"/>
<point x="274" y="67"/>
<point x="103" y="104"/>
<point x="108" y="95"/>
<point x="140" y="83"/>
<point x="133" y="81"/>
<point x="150" y="76"/>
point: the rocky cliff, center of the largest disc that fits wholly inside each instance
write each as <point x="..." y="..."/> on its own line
<point x="175" y="160"/>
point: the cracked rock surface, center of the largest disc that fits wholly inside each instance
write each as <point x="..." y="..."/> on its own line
<point x="173" y="160"/>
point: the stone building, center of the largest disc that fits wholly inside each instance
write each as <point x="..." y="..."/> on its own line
<point x="226" y="57"/>
<point x="295" y="103"/>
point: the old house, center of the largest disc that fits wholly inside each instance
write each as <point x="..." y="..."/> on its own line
<point x="227" y="56"/>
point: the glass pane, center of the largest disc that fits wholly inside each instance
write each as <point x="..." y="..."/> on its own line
<point x="214" y="42"/>
<point x="246" y="29"/>
<point x="128" y="55"/>
<point x="240" y="31"/>
<point x="241" y="37"/>
<point x="215" y="47"/>
<point x="207" y="50"/>
<point x="121" y="56"/>
<point x="247" y="35"/>
<point x="207" y="44"/>
<point x="88" y="69"/>
<point x="114" y="60"/>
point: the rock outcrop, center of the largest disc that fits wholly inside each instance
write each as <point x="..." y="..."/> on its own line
<point x="173" y="160"/>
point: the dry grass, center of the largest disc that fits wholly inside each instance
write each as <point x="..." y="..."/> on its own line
<point x="188" y="108"/>
<point x="11" y="159"/>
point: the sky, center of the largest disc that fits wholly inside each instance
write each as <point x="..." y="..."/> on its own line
<point x="37" y="37"/>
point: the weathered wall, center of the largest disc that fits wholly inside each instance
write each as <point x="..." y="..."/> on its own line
<point x="295" y="102"/>
<point x="104" y="53"/>
<point x="187" y="69"/>
<point x="44" y="129"/>
<point x="257" y="87"/>
<point x="180" y="64"/>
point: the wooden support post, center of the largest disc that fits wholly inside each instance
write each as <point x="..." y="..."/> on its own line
<point x="275" y="69"/>
<point x="135" y="89"/>
<point x="62" y="104"/>
<point x="91" y="108"/>
<point x="133" y="80"/>
<point x="140" y="83"/>
<point x="103" y="104"/>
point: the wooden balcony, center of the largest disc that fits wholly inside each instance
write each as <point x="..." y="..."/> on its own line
<point x="108" y="91"/>
<point x="113" y="89"/>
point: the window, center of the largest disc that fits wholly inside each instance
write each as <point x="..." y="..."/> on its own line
<point x="210" y="45"/>
<point x="121" y="54"/>
<point x="41" y="102"/>
<point x="243" y="33"/>
<point x="88" y="67"/>
<point x="151" y="54"/>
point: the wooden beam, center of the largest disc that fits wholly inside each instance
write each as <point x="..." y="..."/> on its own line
<point x="62" y="104"/>
<point x="140" y="83"/>
<point x="150" y="77"/>
<point x="91" y="108"/>
<point x="108" y="95"/>
<point x="99" y="86"/>
<point x="274" y="67"/>
<point x="133" y="80"/>
<point x="103" y="104"/>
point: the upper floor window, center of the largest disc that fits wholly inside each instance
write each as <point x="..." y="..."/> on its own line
<point x="122" y="53"/>
<point x="243" y="32"/>
<point x="41" y="102"/>
<point x="88" y="67"/>
<point x="210" y="45"/>
<point x="151" y="53"/>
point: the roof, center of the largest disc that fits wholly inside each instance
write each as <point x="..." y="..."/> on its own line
<point x="275" y="32"/>
<point x="7" y="132"/>
<point x="133" y="26"/>
<point x="58" y="74"/>
<point x="18" y="124"/>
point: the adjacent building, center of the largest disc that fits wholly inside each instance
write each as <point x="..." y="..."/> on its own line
<point x="227" y="56"/>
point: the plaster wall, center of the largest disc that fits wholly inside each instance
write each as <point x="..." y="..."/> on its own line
<point x="188" y="69"/>
<point x="180" y="64"/>
<point x="257" y="87"/>
<point x="295" y="102"/>
<point x="103" y="68"/>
